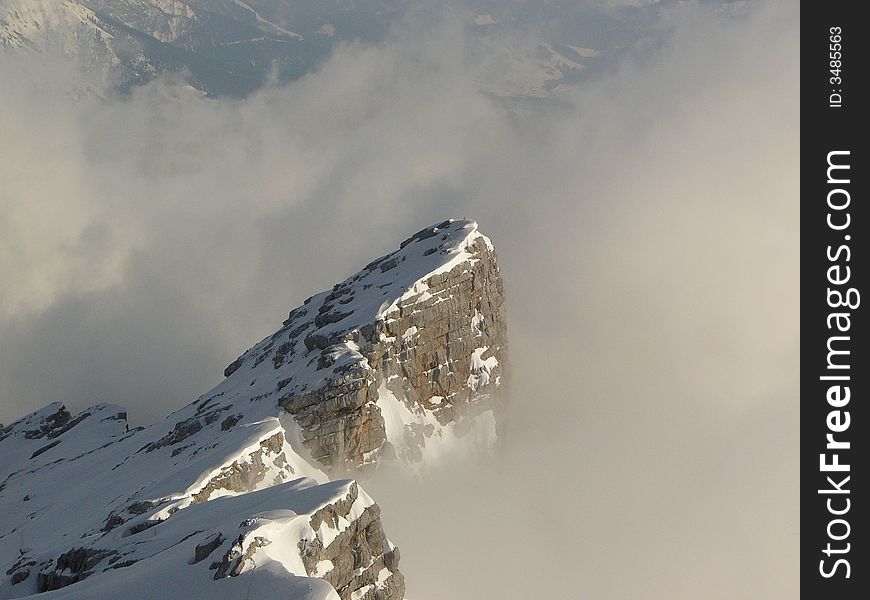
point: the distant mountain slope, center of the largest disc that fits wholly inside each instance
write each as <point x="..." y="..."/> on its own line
<point x="232" y="47"/>
<point x="226" y="47"/>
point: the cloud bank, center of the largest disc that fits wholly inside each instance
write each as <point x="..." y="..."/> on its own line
<point x="647" y="228"/>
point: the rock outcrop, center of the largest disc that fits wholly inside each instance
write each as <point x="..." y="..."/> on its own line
<point x="406" y="353"/>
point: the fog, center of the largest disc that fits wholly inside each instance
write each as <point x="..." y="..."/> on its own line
<point x="647" y="229"/>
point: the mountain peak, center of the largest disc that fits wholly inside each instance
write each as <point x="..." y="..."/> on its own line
<point x="400" y="363"/>
<point x="414" y="339"/>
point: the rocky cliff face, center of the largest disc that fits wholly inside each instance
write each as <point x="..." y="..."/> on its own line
<point x="398" y="360"/>
<point x="231" y="496"/>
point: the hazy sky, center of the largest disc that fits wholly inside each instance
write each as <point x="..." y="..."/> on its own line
<point x="647" y="229"/>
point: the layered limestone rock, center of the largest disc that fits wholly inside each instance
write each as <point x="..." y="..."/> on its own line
<point x="330" y="532"/>
<point x="359" y="561"/>
<point x="400" y="360"/>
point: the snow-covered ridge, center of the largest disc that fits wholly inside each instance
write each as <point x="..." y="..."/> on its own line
<point x="89" y="503"/>
<point x="372" y="295"/>
<point x="401" y="362"/>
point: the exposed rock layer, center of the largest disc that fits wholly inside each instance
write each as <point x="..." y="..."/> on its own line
<point x="435" y="340"/>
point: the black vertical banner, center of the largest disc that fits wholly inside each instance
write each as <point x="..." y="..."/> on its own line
<point x="835" y="380"/>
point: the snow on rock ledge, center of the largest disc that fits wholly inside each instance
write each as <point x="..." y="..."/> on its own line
<point x="97" y="515"/>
